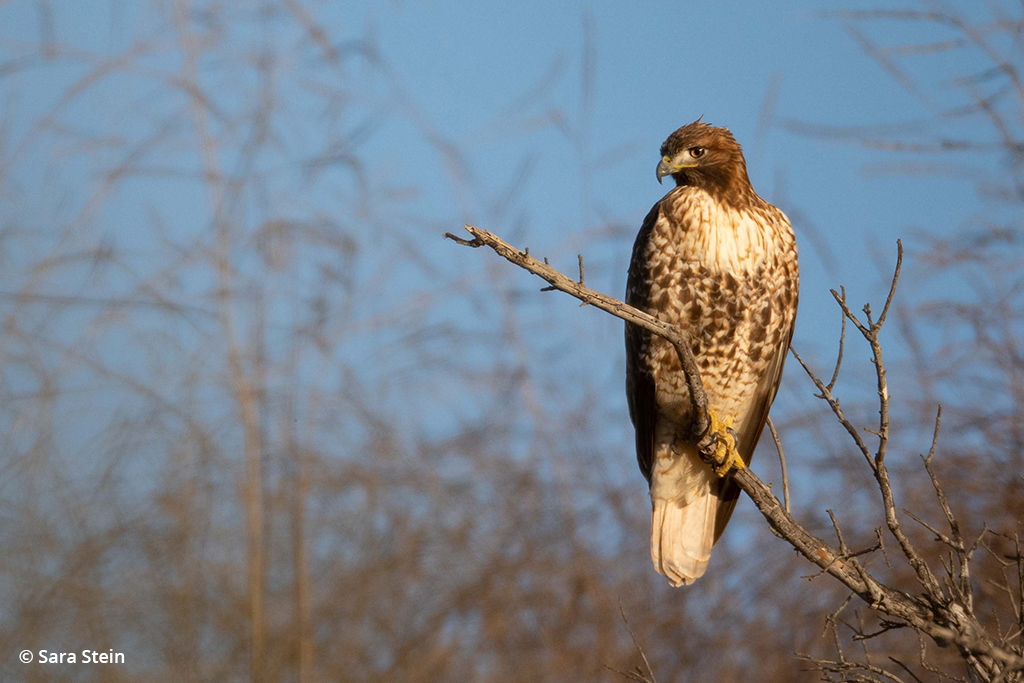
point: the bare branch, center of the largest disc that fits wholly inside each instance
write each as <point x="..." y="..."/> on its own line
<point x="842" y="339"/>
<point x="782" y="462"/>
<point x="892" y="287"/>
<point x="931" y="614"/>
<point x="905" y="668"/>
<point x="851" y="671"/>
<point x="833" y="403"/>
<point x="608" y="304"/>
<point x="649" y="676"/>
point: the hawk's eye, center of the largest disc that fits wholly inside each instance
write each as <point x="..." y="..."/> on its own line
<point x="696" y="152"/>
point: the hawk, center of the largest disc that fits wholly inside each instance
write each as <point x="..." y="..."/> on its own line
<point x="716" y="260"/>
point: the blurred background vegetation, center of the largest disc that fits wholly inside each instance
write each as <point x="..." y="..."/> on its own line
<point x="258" y="422"/>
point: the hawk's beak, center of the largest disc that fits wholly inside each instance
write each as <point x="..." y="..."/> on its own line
<point x="664" y="168"/>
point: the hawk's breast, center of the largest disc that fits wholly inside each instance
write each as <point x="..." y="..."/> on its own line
<point x="721" y="273"/>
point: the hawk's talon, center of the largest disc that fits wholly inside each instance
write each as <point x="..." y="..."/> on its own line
<point x="709" y="441"/>
<point x="720" y="439"/>
<point x="726" y="456"/>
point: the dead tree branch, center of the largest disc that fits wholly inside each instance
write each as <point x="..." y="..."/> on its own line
<point x="943" y="617"/>
<point x="679" y="339"/>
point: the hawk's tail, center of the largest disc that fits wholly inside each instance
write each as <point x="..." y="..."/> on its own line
<point x="682" y="537"/>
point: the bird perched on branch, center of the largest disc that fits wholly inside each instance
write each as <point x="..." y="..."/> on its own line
<point x="716" y="260"/>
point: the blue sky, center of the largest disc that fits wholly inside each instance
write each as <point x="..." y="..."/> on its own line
<point x="654" y="69"/>
<point x="509" y="87"/>
<point x="465" y="65"/>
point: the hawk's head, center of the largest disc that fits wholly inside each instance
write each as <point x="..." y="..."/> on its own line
<point x="704" y="156"/>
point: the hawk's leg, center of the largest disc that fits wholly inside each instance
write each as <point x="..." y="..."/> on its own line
<point x="726" y="456"/>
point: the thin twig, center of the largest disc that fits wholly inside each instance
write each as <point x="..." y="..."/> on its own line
<point x="833" y="403"/>
<point x="905" y="668"/>
<point x="782" y="462"/>
<point x="842" y="340"/>
<point x="582" y="281"/>
<point x="892" y="287"/>
<point x="640" y="649"/>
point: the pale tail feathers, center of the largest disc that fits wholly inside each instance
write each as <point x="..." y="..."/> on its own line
<point x="683" y="493"/>
<point x="682" y="537"/>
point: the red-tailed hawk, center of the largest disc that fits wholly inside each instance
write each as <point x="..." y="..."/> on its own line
<point x="718" y="261"/>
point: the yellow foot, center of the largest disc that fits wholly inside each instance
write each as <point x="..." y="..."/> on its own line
<point x="726" y="457"/>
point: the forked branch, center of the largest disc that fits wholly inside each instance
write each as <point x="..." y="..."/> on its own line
<point x="933" y="613"/>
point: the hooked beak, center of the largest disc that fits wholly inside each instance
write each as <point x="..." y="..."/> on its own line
<point x="664" y="169"/>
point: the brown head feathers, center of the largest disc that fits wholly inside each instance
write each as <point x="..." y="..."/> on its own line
<point x="714" y="162"/>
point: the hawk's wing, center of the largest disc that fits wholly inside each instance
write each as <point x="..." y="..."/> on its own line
<point x="728" y="491"/>
<point x="639" y="382"/>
